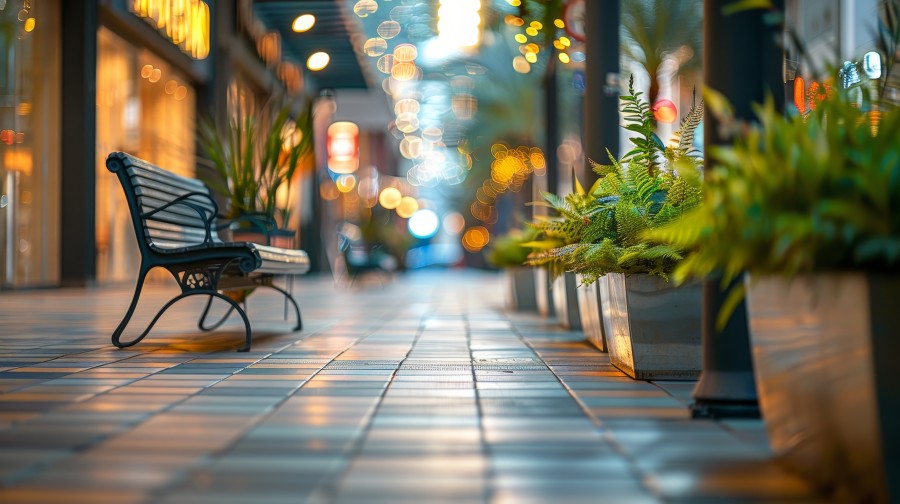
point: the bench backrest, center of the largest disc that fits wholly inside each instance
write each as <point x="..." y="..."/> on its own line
<point x="147" y="188"/>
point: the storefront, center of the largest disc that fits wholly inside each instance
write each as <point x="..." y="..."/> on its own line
<point x="29" y="142"/>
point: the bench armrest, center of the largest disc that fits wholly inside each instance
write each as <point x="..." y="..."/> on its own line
<point x="205" y="215"/>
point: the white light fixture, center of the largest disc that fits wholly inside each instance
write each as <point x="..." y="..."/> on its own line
<point x="423" y="223"/>
<point x="303" y="23"/>
<point x="318" y="61"/>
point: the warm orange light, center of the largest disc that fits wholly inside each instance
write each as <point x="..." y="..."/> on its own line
<point x="664" y="111"/>
<point x="408" y="206"/>
<point x="185" y="22"/>
<point x="800" y="94"/>
<point x="343" y="147"/>
<point x="390" y="198"/>
<point x="269" y="47"/>
<point x="476" y="238"/>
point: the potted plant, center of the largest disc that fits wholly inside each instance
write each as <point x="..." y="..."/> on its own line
<point x="255" y="157"/>
<point x="652" y="327"/>
<point x="809" y="205"/>
<point x="508" y="254"/>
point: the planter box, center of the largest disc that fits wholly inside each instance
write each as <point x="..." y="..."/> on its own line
<point x="589" y="310"/>
<point x="520" y="293"/>
<point x="565" y="301"/>
<point x="542" y="292"/>
<point x="652" y="328"/>
<point x="824" y="352"/>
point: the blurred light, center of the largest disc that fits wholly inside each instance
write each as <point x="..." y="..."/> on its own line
<point x="385" y="63"/>
<point x="565" y="41"/>
<point x="476" y="238"/>
<point x="23" y="109"/>
<point x="155" y="75"/>
<point x="531" y="31"/>
<point x="329" y="191"/>
<point x="375" y="46"/>
<point x="388" y="29"/>
<point x="531" y="57"/>
<point x="514" y="3"/>
<point x="185" y="22"/>
<point x="559" y="23"/>
<point x="403" y="70"/>
<point x="365" y="7"/>
<point x="269" y="47"/>
<point x="146" y="70"/>
<point x="521" y="65"/>
<point x="411" y="147"/>
<point x="537" y="25"/>
<point x="564" y="57"/>
<point x="390" y="198"/>
<point x="558" y="45"/>
<point x="453" y="222"/>
<point x="291" y="76"/>
<point x="303" y="23"/>
<point x="432" y="134"/>
<point x="520" y="38"/>
<point x="664" y="111"/>
<point x="459" y="23"/>
<point x="464" y="106"/>
<point x="29" y="25"/>
<point x="872" y="65"/>
<point x="18" y="160"/>
<point x="578" y="56"/>
<point x="800" y="94"/>
<point x="318" y="61"/>
<point x="532" y="47"/>
<point x="405" y="52"/>
<point x="423" y="223"/>
<point x="407" y="122"/>
<point x="180" y="93"/>
<point x="345" y="183"/>
<point x="407" y="105"/>
<point x="517" y="21"/>
<point x="408" y="206"/>
<point x="171" y="86"/>
<point x="343" y="147"/>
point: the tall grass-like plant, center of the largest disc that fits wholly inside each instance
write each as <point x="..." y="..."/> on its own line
<point x="601" y="231"/>
<point x="255" y="155"/>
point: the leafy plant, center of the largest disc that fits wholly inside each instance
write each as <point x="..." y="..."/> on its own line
<point x="798" y="194"/>
<point x="508" y="251"/>
<point x="602" y="230"/>
<point x="255" y="155"/>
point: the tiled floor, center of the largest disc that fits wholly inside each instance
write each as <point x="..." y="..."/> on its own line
<point x="423" y="390"/>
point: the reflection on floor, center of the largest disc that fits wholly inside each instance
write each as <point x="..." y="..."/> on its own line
<point x="422" y="390"/>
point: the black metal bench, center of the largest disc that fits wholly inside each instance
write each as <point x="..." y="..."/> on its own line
<point x="175" y="219"/>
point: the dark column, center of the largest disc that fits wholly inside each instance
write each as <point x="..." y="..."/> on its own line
<point x="601" y="96"/>
<point x="78" y="261"/>
<point x="742" y="59"/>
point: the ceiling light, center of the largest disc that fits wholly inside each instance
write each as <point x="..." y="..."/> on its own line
<point x="303" y="23"/>
<point x="318" y="61"/>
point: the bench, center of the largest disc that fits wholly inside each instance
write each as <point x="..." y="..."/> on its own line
<point x="176" y="221"/>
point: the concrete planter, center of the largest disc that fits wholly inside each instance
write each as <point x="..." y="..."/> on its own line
<point x="652" y="328"/>
<point x="565" y="301"/>
<point x="824" y="351"/>
<point x="519" y="289"/>
<point x="589" y="310"/>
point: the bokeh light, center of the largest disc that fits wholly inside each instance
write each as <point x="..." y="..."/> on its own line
<point x="453" y="222"/>
<point x="303" y="23"/>
<point x="476" y="238"/>
<point x="375" y="46"/>
<point x="365" y="7"/>
<point x="408" y="206"/>
<point x="390" y="198"/>
<point x="664" y="111"/>
<point x="317" y="61"/>
<point x="345" y="183"/>
<point x="388" y="29"/>
<point x="423" y="223"/>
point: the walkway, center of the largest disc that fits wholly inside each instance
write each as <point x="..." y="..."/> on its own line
<point x="420" y="391"/>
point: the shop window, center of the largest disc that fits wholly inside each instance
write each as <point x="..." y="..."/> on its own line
<point x="145" y="108"/>
<point x="29" y="142"/>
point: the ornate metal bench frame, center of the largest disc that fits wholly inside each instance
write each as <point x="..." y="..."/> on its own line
<point x="205" y="268"/>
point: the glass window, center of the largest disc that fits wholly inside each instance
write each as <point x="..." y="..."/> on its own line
<point x="145" y="108"/>
<point x="29" y="142"/>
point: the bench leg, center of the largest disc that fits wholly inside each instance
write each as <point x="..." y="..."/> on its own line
<point x="124" y="323"/>
<point x="221" y="321"/>
<point x="290" y="298"/>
